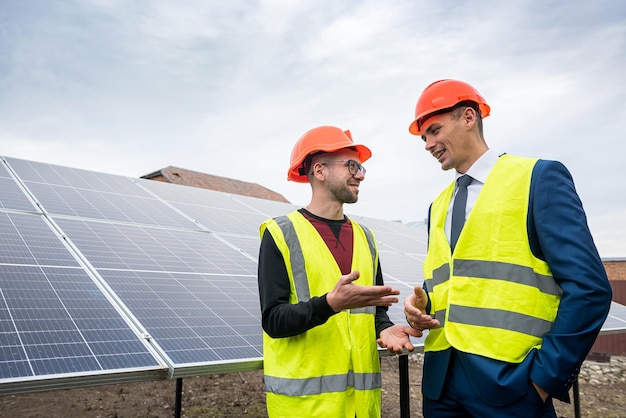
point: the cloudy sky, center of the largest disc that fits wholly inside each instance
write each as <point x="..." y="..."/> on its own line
<point x="227" y="87"/>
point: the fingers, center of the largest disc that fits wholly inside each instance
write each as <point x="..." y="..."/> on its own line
<point x="420" y="298"/>
<point x="352" y="276"/>
<point x="349" y="295"/>
<point x="415" y="312"/>
<point x="414" y="332"/>
<point x="395" y="349"/>
<point x="408" y="303"/>
<point x="396" y="338"/>
<point x="393" y="291"/>
<point x="419" y="292"/>
<point x="368" y="290"/>
<point x="422" y="322"/>
<point x="410" y="310"/>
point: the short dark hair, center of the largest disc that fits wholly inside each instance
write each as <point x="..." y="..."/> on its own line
<point x="306" y="164"/>
<point x="457" y="110"/>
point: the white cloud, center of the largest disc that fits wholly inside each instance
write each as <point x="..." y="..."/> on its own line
<point x="228" y="87"/>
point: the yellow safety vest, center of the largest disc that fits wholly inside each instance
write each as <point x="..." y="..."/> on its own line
<point x="332" y="370"/>
<point x="493" y="297"/>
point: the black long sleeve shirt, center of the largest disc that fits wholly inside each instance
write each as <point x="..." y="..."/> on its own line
<point x="283" y="319"/>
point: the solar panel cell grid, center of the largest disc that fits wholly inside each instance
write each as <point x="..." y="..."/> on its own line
<point x="105" y="205"/>
<point x="239" y="221"/>
<point x="171" y="308"/>
<point x="269" y="208"/>
<point x="131" y="247"/>
<point x="52" y="326"/>
<point x="249" y="244"/>
<point x="13" y="197"/>
<point x="27" y="239"/>
<point x="31" y="171"/>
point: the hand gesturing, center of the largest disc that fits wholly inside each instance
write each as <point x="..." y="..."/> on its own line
<point x="347" y="295"/>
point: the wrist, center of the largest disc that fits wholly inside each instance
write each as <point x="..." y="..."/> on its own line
<point x="330" y="301"/>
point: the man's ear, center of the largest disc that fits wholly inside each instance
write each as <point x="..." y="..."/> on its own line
<point x="469" y="117"/>
<point x="317" y="169"/>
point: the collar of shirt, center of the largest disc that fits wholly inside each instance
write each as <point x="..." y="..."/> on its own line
<point x="479" y="171"/>
<point x="481" y="168"/>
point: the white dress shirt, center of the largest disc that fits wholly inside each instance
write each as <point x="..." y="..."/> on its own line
<point x="479" y="172"/>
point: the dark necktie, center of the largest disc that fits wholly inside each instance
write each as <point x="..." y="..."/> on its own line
<point x="458" y="209"/>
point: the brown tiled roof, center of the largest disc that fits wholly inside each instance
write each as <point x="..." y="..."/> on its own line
<point x="192" y="178"/>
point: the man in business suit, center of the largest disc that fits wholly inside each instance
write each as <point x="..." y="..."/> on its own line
<point x="514" y="305"/>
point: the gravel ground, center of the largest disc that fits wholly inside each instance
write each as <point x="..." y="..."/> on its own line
<point x="602" y="394"/>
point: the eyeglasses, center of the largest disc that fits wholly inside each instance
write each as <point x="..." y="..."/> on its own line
<point x="353" y="166"/>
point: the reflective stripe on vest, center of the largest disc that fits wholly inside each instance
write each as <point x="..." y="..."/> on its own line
<point x="492" y="317"/>
<point x="507" y="271"/>
<point x="371" y="243"/>
<point x="300" y="279"/>
<point x="495" y="318"/>
<point x="323" y="384"/>
<point x="496" y="301"/>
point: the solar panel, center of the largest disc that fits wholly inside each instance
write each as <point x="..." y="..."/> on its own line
<point x="55" y="322"/>
<point x="96" y="204"/>
<point x="397" y="237"/>
<point x="65" y="325"/>
<point x="246" y="244"/>
<point x="109" y="278"/>
<point x="190" y="317"/>
<point x="270" y="208"/>
<point x="216" y="211"/>
<point x="133" y="247"/>
<point x="240" y="221"/>
<point x="12" y="196"/>
<point x="31" y="171"/>
<point x="28" y="240"/>
<point x="183" y="194"/>
<point x="616" y="321"/>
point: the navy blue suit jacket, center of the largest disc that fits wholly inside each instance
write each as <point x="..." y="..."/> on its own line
<point x="558" y="234"/>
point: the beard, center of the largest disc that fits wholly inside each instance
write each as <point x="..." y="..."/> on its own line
<point x="342" y="192"/>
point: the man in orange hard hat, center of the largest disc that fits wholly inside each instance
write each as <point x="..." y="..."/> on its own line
<point x="515" y="292"/>
<point x="323" y="301"/>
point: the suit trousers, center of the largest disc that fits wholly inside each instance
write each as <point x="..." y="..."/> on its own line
<point x="460" y="400"/>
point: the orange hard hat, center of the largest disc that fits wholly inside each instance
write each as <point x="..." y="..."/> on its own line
<point x="321" y="139"/>
<point x="442" y="95"/>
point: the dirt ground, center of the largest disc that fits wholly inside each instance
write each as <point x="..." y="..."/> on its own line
<point x="242" y="395"/>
